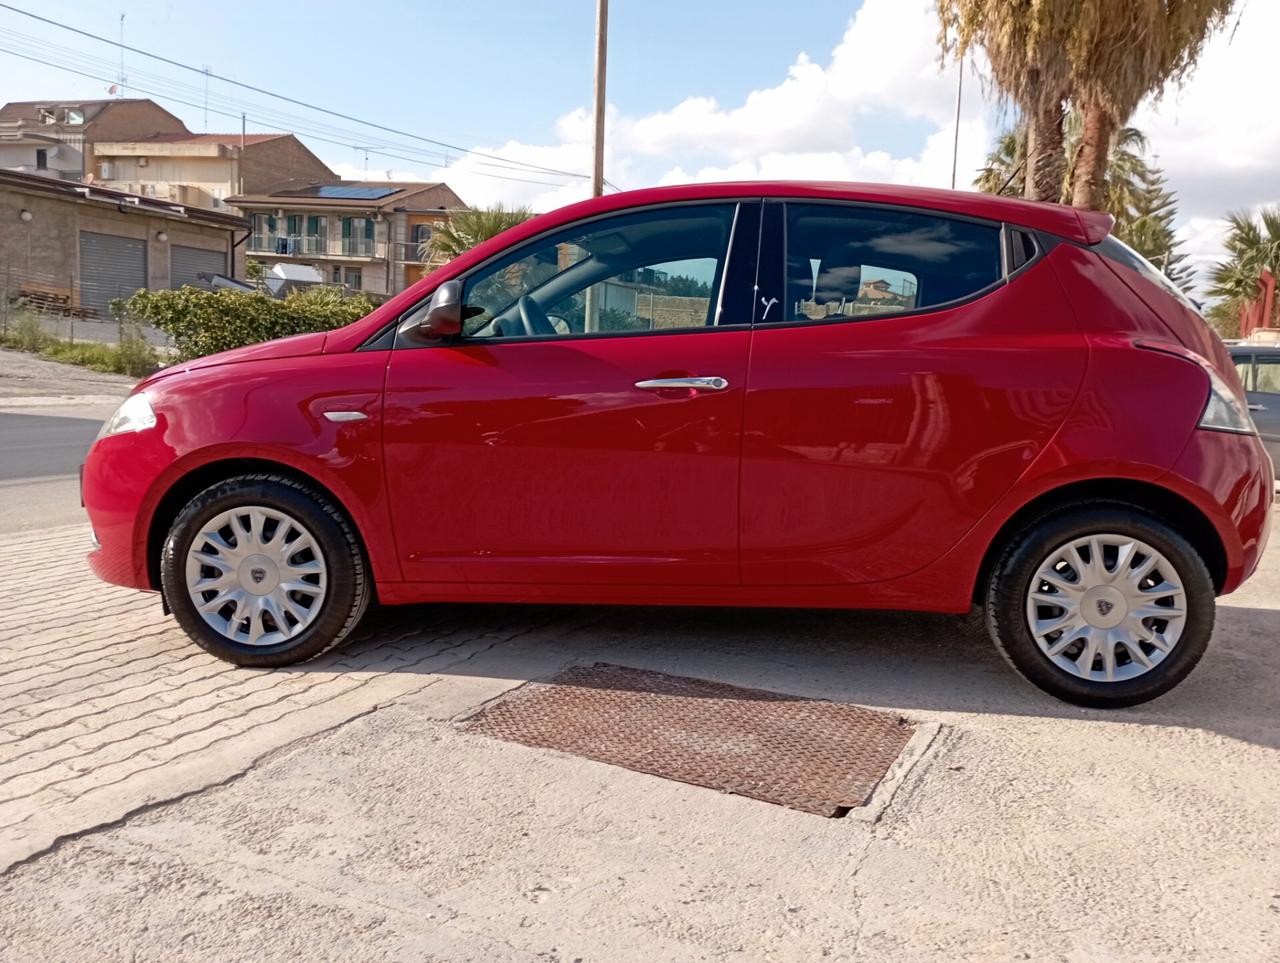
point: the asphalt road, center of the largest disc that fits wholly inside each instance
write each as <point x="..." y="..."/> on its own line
<point x="42" y="445"/>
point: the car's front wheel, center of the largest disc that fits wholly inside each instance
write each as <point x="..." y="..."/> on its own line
<point x="261" y="571"/>
<point x="1104" y="605"/>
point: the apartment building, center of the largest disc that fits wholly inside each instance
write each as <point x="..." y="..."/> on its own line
<point x="365" y="235"/>
<point x="136" y="146"/>
<point x="203" y="170"/>
<point x="56" y="138"/>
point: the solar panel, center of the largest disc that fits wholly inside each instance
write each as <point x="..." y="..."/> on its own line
<point x="343" y="192"/>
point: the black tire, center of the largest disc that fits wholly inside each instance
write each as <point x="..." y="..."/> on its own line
<point x="347" y="592"/>
<point x="1011" y="581"/>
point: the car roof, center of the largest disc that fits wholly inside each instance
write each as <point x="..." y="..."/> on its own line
<point x="1086" y="227"/>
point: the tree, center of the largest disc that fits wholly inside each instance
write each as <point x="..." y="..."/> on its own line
<point x="1104" y="56"/>
<point x="1135" y="192"/>
<point x="1123" y="178"/>
<point x="1120" y="52"/>
<point x="1026" y="43"/>
<point x="1254" y="246"/>
<point x="1148" y="227"/>
<point x="1005" y="172"/>
<point x="470" y="226"/>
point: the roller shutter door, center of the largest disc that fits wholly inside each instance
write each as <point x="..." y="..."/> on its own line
<point x="110" y="267"/>
<point x="186" y="264"/>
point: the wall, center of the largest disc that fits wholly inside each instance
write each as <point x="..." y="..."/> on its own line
<point x="23" y="157"/>
<point x="43" y="254"/>
<point x="129" y="120"/>
<point x="264" y="165"/>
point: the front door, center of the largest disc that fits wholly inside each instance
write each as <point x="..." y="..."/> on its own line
<point x="560" y="439"/>
<point x="897" y="388"/>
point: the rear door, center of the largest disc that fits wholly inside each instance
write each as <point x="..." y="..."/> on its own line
<point x="898" y="387"/>
<point x="1263" y="390"/>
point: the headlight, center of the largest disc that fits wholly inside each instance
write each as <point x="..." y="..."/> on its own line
<point x="134" y="415"/>
<point x="1225" y="411"/>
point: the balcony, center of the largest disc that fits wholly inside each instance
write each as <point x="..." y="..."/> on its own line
<point x="314" y="245"/>
<point x="357" y="246"/>
<point x="410" y="252"/>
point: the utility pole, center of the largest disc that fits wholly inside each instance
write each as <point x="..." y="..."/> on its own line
<point x="602" y="43"/>
<point x="955" y="144"/>
<point x="121" y="92"/>
<point x="590" y="305"/>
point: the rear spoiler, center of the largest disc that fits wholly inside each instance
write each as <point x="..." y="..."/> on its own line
<point x="1095" y="225"/>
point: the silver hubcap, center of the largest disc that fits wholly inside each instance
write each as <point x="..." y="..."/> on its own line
<point x="256" y="575"/>
<point x="1106" y="607"/>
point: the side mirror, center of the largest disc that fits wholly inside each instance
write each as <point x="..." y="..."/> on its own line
<point x="444" y="312"/>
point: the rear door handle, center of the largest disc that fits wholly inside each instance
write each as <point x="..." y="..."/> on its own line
<point x="688" y="384"/>
<point x="1257" y="407"/>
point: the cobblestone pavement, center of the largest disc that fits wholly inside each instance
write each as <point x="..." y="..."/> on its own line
<point x="105" y="706"/>
<point x="157" y="804"/>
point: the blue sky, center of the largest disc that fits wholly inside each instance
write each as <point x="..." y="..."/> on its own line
<point x="712" y="89"/>
<point x="462" y="72"/>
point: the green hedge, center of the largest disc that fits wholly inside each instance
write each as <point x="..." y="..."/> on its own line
<point x="205" y="322"/>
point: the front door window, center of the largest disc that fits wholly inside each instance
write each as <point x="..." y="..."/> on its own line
<point x="657" y="270"/>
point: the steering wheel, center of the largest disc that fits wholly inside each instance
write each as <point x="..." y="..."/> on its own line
<point x="535" y="320"/>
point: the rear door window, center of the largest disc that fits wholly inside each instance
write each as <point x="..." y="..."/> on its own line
<point x="1244" y="369"/>
<point x="1267" y="375"/>
<point x="850" y="262"/>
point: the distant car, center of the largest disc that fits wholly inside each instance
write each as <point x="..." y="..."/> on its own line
<point x="769" y="394"/>
<point x="1258" y="367"/>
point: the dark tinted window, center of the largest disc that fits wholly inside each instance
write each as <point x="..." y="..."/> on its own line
<point x="846" y="262"/>
<point x="1021" y="248"/>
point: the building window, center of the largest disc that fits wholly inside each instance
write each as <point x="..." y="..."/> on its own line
<point x="42" y="159"/>
<point x="357" y="236"/>
<point x="421" y="233"/>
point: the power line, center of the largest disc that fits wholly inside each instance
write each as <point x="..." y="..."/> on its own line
<point x="327" y="140"/>
<point x="27" y="45"/>
<point x="300" y="103"/>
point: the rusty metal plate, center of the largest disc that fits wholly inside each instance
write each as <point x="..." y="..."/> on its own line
<point x="808" y="754"/>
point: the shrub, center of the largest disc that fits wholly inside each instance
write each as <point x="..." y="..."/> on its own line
<point x="205" y="322"/>
<point x="87" y="354"/>
<point x="26" y="333"/>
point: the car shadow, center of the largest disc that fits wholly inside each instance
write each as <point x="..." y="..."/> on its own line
<point x="909" y="662"/>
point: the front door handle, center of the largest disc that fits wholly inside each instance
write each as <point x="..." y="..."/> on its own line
<point x="687" y="384"/>
<point x="1253" y="406"/>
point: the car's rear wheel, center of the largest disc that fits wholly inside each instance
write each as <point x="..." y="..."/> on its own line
<point x="261" y="571"/>
<point x="1104" y="605"/>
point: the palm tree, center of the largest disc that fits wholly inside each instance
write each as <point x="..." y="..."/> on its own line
<point x="1006" y="164"/>
<point x="1125" y="172"/>
<point x="1120" y="52"/>
<point x="1254" y="247"/>
<point x="470" y="226"/>
<point x="1025" y="41"/>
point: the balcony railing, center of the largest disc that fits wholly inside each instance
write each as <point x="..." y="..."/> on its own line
<point x="410" y="252"/>
<point x="312" y="245"/>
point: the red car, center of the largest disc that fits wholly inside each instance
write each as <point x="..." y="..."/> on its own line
<point x="769" y="394"/>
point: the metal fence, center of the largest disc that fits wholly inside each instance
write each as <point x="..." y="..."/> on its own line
<point x="54" y="303"/>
